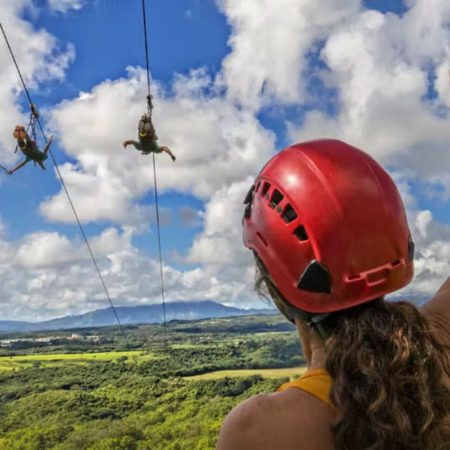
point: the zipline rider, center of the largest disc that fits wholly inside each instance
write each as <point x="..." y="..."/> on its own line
<point x="148" y="141"/>
<point x="29" y="148"/>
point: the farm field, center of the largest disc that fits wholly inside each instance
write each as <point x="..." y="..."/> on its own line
<point x="8" y="363"/>
<point x="290" y="373"/>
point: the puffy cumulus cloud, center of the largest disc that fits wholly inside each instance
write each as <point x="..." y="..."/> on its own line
<point x="48" y="275"/>
<point x="6" y="250"/>
<point x="269" y="45"/>
<point x="64" y="6"/>
<point x="43" y="250"/>
<point x="41" y="58"/>
<point x="218" y="248"/>
<point x="431" y="238"/>
<point x="220" y="242"/>
<point x="432" y="262"/>
<point x="96" y="198"/>
<point x="215" y="142"/>
<point x="391" y="78"/>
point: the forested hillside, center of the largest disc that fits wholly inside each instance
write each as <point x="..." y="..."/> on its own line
<point x="137" y="393"/>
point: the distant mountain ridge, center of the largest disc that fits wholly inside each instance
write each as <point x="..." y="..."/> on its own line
<point x="148" y="314"/>
<point x="129" y="315"/>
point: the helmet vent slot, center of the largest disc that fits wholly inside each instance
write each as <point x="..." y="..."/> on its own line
<point x="277" y="197"/>
<point x="265" y="189"/>
<point x="301" y="233"/>
<point x="396" y="262"/>
<point x="289" y="214"/>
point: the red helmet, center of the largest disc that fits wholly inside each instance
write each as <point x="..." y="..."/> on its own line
<point x="329" y="225"/>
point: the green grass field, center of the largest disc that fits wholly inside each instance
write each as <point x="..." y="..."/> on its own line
<point x="8" y="363"/>
<point x="293" y="372"/>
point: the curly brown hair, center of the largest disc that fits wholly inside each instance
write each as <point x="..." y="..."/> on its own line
<point x="389" y="374"/>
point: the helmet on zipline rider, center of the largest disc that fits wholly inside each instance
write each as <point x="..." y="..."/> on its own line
<point x="19" y="128"/>
<point x="329" y="225"/>
<point x="20" y="132"/>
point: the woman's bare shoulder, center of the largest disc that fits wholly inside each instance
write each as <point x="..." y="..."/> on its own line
<point x="278" y="420"/>
<point x="243" y="427"/>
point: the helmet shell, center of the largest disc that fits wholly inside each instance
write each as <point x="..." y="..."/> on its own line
<point x="329" y="224"/>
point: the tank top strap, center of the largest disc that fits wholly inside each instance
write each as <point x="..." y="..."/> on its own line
<point x="316" y="382"/>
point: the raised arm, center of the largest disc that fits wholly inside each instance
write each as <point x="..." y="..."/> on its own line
<point x="438" y="308"/>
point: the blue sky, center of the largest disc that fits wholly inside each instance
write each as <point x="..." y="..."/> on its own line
<point x="233" y="83"/>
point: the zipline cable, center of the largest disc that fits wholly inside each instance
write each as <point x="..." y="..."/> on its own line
<point x="144" y="16"/>
<point x="159" y="246"/>
<point x="17" y="66"/>
<point x="94" y="261"/>
<point x="150" y="107"/>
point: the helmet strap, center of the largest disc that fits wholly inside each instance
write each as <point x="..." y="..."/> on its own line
<point x="319" y="322"/>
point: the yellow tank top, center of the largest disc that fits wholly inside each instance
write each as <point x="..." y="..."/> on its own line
<point x="317" y="382"/>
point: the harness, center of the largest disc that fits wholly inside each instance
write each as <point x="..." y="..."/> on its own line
<point x="146" y="129"/>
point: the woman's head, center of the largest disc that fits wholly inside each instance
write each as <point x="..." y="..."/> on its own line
<point x="329" y="225"/>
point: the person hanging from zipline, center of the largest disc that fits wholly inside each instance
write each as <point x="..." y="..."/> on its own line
<point x="29" y="148"/>
<point x="147" y="139"/>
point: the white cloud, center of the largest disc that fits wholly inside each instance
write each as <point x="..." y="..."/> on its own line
<point x="423" y="220"/>
<point x="220" y="241"/>
<point x="383" y="66"/>
<point x="269" y="42"/>
<point x="48" y="275"/>
<point x="45" y="250"/>
<point x="431" y="238"/>
<point x="64" y="6"/>
<point x="218" y="249"/>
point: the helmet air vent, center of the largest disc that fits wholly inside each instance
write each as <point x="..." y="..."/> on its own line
<point x="248" y="203"/>
<point x="301" y="233"/>
<point x="265" y="189"/>
<point x="289" y="214"/>
<point x="277" y="197"/>
<point x="315" y="278"/>
<point x="247" y="211"/>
